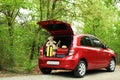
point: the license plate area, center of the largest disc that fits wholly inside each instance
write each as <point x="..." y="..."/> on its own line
<point x="53" y="62"/>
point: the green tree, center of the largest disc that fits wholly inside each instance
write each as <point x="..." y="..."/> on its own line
<point x="8" y="10"/>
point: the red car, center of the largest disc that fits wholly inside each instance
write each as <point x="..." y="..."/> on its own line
<point x="74" y="52"/>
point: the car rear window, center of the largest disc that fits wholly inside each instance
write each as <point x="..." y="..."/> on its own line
<point x="56" y="27"/>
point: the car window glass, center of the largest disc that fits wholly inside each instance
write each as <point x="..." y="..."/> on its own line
<point x="96" y="43"/>
<point x="85" y="41"/>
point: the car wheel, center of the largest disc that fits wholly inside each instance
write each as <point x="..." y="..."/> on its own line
<point x="46" y="70"/>
<point x="80" y="69"/>
<point x="111" y="66"/>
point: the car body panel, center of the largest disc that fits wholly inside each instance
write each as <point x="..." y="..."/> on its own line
<point x="69" y="62"/>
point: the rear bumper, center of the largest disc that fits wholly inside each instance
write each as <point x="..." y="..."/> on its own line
<point x="68" y="63"/>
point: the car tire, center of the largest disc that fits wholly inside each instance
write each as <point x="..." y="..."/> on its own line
<point x="111" y="66"/>
<point x="46" y="70"/>
<point x="80" y="69"/>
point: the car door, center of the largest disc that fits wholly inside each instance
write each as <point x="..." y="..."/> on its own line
<point x="89" y="52"/>
<point x="100" y="52"/>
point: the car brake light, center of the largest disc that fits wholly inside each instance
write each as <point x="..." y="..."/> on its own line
<point x="71" y="52"/>
<point x="41" y="53"/>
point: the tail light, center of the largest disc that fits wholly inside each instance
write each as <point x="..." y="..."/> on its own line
<point x="41" y="52"/>
<point x="71" y="52"/>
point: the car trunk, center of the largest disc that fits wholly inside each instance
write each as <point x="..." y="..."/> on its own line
<point x="63" y="47"/>
<point x="62" y="32"/>
<point x="56" y="27"/>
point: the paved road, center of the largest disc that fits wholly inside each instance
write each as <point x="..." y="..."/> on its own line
<point x="90" y="75"/>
